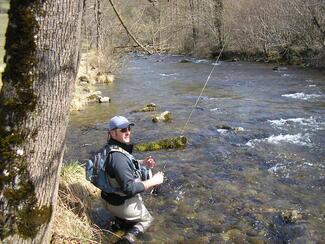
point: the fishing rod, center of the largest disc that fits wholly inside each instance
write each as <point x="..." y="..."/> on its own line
<point x="163" y="170"/>
<point x="179" y="141"/>
<point x="206" y="83"/>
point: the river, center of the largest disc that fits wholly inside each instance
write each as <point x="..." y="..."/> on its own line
<point x="261" y="181"/>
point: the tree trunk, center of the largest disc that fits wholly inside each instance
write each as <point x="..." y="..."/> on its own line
<point x="218" y="20"/>
<point x="98" y="25"/>
<point x="194" y="32"/>
<point x="42" y="56"/>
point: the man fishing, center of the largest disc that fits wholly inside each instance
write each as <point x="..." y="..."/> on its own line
<point x="125" y="176"/>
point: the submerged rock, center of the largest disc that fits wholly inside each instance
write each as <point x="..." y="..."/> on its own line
<point x="148" y="108"/>
<point x="185" y="61"/>
<point x="277" y="68"/>
<point x="227" y="127"/>
<point x="170" y="143"/>
<point x="233" y="235"/>
<point x="291" y="216"/>
<point x="224" y="127"/>
<point x="165" y="117"/>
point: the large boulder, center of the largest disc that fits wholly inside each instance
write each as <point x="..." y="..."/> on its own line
<point x="165" y="117"/>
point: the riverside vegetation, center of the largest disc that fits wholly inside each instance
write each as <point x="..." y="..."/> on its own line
<point x="280" y="31"/>
<point x="74" y="217"/>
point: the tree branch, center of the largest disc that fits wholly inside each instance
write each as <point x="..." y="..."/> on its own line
<point x="127" y="30"/>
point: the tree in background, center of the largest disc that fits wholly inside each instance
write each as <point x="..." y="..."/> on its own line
<point x="42" y="55"/>
<point x="218" y="21"/>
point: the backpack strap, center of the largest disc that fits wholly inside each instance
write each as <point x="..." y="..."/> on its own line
<point x="133" y="162"/>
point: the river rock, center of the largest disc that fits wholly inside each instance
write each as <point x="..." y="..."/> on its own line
<point x="104" y="100"/>
<point x="83" y="79"/>
<point x="185" y="61"/>
<point x="104" y="78"/>
<point x="165" y="117"/>
<point x="94" y="96"/>
<point x="233" y="235"/>
<point x="148" y="108"/>
<point x="277" y="68"/>
<point x="227" y="127"/>
<point x="223" y="127"/>
<point x="238" y="129"/>
<point x="291" y="216"/>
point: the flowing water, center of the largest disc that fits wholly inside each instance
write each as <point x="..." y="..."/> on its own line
<point x="261" y="181"/>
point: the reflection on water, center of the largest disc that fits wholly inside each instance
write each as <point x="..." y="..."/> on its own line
<point x="226" y="185"/>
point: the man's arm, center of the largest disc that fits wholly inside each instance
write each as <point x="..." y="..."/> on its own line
<point x="124" y="175"/>
<point x="156" y="179"/>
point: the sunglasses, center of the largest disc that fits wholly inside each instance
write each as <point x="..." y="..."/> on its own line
<point x="125" y="129"/>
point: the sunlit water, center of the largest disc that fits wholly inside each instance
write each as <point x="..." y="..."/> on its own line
<point x="226" y="185"/>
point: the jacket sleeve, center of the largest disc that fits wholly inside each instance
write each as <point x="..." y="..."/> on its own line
<point x="124" y="175"/>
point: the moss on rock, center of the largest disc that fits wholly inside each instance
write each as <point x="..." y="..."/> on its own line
<point x="170" y="143"/>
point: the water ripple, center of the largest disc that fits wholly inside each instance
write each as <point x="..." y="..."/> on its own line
<point x="302" y="96"/>
<point x="297" y="139"/>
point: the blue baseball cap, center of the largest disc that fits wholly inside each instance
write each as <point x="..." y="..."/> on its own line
<point x="118" y="122"/>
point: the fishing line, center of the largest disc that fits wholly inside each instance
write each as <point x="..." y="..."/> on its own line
<point x="198" y="99"/>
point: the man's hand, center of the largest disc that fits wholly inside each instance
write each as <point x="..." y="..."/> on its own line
<point x="156" y="179"/>
<point x="149" y="162"/>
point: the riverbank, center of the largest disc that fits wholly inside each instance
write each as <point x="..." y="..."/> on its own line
<point x="79" y="209"/>
<point x="305" y="58"/>
<point x="89" y="74"/>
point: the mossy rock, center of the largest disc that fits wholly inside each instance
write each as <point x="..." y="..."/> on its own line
<point x="148" y="108"/>
<point x="170" y="143"/>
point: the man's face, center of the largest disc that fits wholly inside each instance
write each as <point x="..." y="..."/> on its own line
<point x="122" y="135"/>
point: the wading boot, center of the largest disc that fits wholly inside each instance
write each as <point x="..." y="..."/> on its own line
<point x="119" y="224"/>
<point x="130" y="236"/>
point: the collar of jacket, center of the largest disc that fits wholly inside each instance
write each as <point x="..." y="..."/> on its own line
<point x="126" y="147"/>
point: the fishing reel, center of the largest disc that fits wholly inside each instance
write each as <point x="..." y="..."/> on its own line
<point x="146" y="173"/>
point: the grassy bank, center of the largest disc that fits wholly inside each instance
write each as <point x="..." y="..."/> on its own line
<point x="78" y="202"/>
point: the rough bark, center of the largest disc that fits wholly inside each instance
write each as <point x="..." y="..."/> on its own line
<point x="42" y="56"/>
